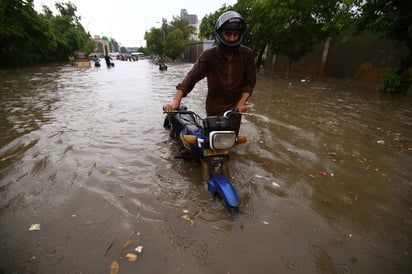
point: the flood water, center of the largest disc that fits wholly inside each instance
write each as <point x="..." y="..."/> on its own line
<point x="324" y="181"/>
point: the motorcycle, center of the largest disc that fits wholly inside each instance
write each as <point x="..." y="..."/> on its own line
<point x="208" y="140"/>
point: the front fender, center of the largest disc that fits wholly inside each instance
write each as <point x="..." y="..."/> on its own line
<point x="221" y="185"/>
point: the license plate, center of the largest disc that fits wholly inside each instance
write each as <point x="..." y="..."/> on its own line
<point x="214" y="152"/>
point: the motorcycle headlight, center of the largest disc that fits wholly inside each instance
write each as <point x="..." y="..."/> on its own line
<point x="222" y="139"/>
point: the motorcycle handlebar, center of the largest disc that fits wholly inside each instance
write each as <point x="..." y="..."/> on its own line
<point x="226" y="113"/>
<point x="182" y="111"/>
<point x="231" y="111"/>
<point x="234" y="111"/>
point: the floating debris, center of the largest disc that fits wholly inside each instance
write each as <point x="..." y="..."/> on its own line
<point x="262" y="177"/>
<point x="114" y="268"/>
<point x="275" y="184"/>
<point x="34" y="227"/>
<point x="189" y="219"/>
<point x="108" y="249"/>
<point x="139" y="249"/>
<point x="128" y="243"/>
<point x="131" y="257"/>
<point x="186" y="217"/>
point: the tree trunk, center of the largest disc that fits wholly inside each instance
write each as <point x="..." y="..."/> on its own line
<point x="259" y="58"/>
<point x="324" y="57"/>
<point x="259" y="61"/>
<point x="268" y="64"/>
<point x="405" y="65"/>
<point x="288" y="69"/>
<point x="274" y="62"/>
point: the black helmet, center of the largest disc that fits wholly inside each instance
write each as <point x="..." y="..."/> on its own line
<point x="230" y="20"/>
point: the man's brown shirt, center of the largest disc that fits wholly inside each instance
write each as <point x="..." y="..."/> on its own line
<point x="226" y="79"/>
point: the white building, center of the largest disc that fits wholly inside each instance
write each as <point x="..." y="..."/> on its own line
<point x="193" y="21"/>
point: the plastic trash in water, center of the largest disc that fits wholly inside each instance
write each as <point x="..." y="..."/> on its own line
<point x="34" y="227"/>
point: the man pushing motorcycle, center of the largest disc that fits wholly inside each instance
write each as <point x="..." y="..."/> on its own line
<point x="229" y="68"/>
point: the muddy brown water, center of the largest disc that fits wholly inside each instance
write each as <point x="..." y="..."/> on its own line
<point x="324" y="181"/>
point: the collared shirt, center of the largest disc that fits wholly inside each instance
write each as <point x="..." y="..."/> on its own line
<point x="226" y="79"/>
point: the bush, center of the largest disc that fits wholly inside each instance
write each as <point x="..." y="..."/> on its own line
<point x="396" y="83"/>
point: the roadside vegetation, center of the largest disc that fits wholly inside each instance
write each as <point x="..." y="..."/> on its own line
<point x="289" y="28"/>
<point x="292" y="28"/>
<point x="29" y="38"/>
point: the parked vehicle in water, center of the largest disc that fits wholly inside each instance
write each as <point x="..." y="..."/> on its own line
<point x="208" y="140"/>
<point x="81" y="59"/>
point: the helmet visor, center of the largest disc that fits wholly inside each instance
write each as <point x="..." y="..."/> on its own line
<point x="233" y="25"/>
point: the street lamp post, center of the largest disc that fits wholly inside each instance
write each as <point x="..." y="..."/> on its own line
<point x="163" y="30"/>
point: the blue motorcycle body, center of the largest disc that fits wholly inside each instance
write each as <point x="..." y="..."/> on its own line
<point x="208" y="140"/>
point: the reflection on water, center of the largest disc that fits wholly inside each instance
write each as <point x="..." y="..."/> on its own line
<point x="323" y="182"/>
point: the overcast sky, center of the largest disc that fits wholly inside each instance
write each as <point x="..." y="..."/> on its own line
<point x="127" y="20"/>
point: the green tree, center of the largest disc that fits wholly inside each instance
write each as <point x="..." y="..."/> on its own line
<point x="260" y="28"/>
<point x="184" y="26"/>
<point x="390" y="19"/>
<point x="29" y="38"/>
<point x="174" y="44"/>
<point x="159" y="41"/>
<point x="154" y="41"/>
<point x="143" y="50"/>
<point x="290" y="27"/>
<point x="71" y="34"/>
<point x="25" y="37"/>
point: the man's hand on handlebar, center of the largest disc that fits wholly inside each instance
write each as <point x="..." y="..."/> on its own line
<point x="175" y="103"/>
<point x="241" y="107"/>
<point x="171" y="106"/>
